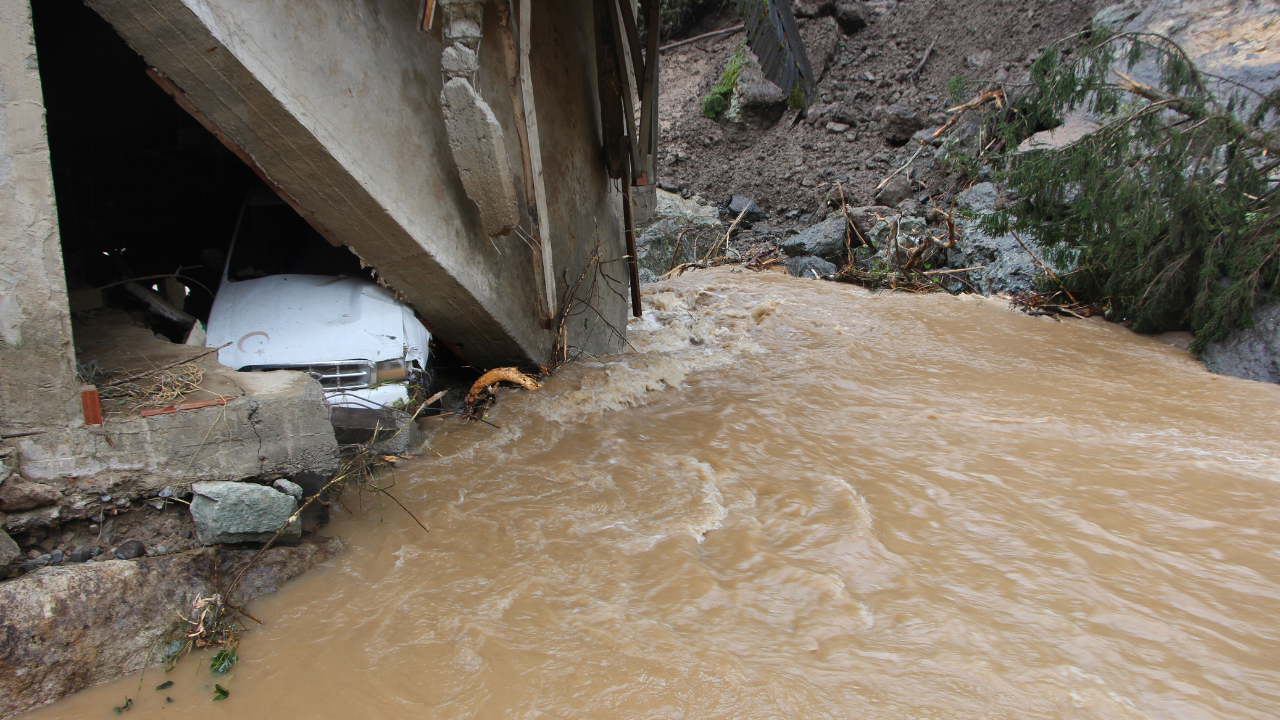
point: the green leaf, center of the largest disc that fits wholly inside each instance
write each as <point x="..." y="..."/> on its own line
<point x="220" y="693"/>
<point x="168" y="699"/>
<point x="165" y="685"/>
<point x="128" y="703"/>
<point x="223" y="661"/>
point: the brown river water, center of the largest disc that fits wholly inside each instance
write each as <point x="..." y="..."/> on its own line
<point x="798" y="499"/>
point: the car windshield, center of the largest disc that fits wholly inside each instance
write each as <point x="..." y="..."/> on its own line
<point x="274" y="240"/>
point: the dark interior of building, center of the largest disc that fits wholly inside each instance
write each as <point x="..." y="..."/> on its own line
<point x="149" y="199"/>
<point x="143" y="190"/>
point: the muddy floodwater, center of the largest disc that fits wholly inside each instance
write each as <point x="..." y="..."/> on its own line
<point x="796" y="499"/>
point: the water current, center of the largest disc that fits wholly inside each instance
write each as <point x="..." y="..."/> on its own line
<point x="796" y="499"/>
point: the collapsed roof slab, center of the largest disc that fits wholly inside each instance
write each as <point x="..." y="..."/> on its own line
<point x="337" y="106"/>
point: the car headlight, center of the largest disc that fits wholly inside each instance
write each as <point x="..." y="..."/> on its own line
<point x="390" y="371"/>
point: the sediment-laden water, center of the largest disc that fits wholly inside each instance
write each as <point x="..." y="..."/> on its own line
<point x="798" y="499"/>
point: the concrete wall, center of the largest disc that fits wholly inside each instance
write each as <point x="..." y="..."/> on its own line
<point x="337" y="103"/>
<point x="586" y="208"/>
<point x="37" y="369"/>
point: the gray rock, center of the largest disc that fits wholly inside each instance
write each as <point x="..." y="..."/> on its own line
<point x="655" y="246"/>
<point x="895" y="191"/>
<point x="899" y="122"/>
<point x="827" y="239"/>
<point x="55" y="557"/>
<point x="742" y="202"/>
<point x="1114" y="17"/>
<point x="72" y="626"/>
<point x="837" y="128"/>
<point x="756" y="101"/>
<point x="80" y="554"/>
<point x="19" y="495"/>
<point x="235" y="512"/>
<point x="130" y="549"/>
<point x="852" y="16"/>
<point x="9" y="550"/>
<point x="807" y="265"/>
<point x="1253" y="353"/>
<point x="289" y="488"/>
<point x="1010" y="270"/>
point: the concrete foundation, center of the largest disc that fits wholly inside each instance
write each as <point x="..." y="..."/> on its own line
<point x="279" y="427"/>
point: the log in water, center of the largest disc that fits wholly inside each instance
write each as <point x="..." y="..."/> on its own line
<point x="797" y="499"/>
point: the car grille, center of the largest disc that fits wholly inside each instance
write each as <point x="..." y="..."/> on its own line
<point x="346" y="375"/>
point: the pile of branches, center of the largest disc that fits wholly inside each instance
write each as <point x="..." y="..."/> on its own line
<point x="1169" y="210"/>
<point x="162" y="388"/>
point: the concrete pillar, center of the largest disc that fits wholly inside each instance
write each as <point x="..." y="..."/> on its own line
<point x="37" y="360"/>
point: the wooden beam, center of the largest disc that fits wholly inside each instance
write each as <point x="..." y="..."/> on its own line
<point x="535" y="156"/>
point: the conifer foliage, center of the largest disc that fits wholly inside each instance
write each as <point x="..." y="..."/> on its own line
<point x="1169" y="211"/>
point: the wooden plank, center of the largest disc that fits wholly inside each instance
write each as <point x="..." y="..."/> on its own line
<point x="649" y="97"/>
<point x="511" y="52"/>
<point x="624" y="88"/>
<point x="611" y="126"/>
<point x="535" y="156"/>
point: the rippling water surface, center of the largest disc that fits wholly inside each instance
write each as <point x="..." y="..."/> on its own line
<point x="802" y="500"/>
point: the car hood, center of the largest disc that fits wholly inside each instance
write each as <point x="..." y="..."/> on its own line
<point x="292" y="319"/>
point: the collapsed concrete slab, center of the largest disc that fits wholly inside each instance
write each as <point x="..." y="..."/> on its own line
<point x="278" y="427"/>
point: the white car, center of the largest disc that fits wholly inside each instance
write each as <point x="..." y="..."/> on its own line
<point x="288" y="300"/>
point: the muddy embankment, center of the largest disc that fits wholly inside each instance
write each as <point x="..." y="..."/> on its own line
<point x="869" y="146"/>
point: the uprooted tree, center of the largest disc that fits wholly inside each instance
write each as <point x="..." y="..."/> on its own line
<point x="1168" y="211"/>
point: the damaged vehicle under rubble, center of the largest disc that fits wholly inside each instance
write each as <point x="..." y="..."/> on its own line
<point x="289" y="300"/>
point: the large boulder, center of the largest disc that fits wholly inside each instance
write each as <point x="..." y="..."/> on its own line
<point x="1251" y="353"/>
<point x="236" y="512"/>
<point x="19" y="495"/>
<point x="1009" y="268"/>
<point x="756" y="101"/>
<point x="827" y="239"/>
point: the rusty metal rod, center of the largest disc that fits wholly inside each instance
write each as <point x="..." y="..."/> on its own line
<point x="633" y="264"/>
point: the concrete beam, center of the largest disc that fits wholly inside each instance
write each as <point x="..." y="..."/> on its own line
<point x="337" y="105"/>
<point x="37" y="363"/>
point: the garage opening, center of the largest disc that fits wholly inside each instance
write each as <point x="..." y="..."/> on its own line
<point x="154" y="210"/>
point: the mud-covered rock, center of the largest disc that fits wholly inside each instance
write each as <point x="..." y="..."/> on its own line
<point x="67" y="627"/>
<point x="808" y="265"/>
<point x="1249" y="353"/>
<point x="19" y="495"/>
<point x="234" y="512"/>
<point x="130" y="549"/>
<point x="899" y="122"/>
<point x="756" y="101"/>
<point x="895" y="191"/>
<point x="852" y="16"/>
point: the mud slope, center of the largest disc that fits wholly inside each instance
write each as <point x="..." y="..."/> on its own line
<point x="792" y="165"/>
